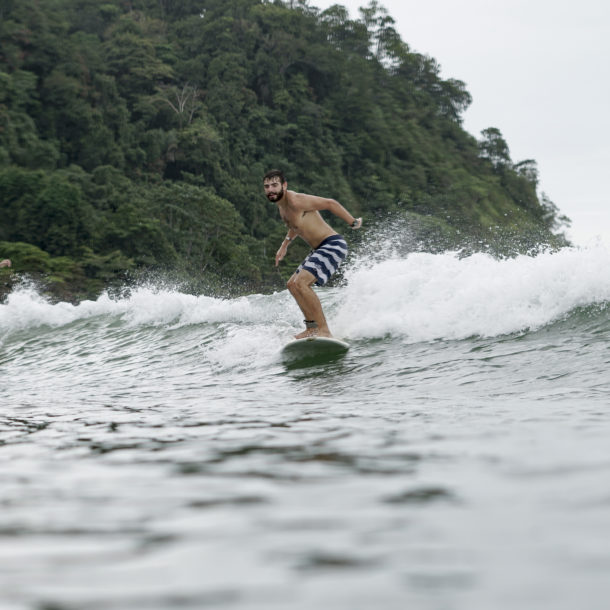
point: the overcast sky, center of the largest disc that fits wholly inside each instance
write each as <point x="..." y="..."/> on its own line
<point x="538" y="70"/>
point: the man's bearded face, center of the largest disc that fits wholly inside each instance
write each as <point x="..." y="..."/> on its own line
<point x="274" y="189"/>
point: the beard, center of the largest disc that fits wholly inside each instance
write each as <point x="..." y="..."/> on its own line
<point x="275" y="196"/>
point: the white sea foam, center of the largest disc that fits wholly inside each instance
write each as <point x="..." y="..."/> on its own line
<point x="429" y="296"/>
<point x="26" y="308"/>
<point x="419" y="297"/>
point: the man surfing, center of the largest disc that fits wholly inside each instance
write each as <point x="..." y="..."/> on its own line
<point x="301" y="214"/>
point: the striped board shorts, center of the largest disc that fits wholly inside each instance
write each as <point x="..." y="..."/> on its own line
<point x="325" y="259"/>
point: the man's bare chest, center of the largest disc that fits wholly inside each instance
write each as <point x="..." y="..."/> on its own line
<point x="293" y="218"/>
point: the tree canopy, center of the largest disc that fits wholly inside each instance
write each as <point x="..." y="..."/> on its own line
<point x="134" y="135"/>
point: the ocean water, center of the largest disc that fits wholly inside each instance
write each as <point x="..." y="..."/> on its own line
<point x="156" y="453"/>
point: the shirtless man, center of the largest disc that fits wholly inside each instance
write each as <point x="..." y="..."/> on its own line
<point x="301" y="214"/>
<point x="5" y="263"/>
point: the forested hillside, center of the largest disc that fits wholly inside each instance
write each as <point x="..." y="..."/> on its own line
<point x="134" y="135"/>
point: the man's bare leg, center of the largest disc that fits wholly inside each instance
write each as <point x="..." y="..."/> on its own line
<point x="300" y="287"/>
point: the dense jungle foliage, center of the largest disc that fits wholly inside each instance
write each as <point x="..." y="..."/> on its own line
<point x="134" y="135"/>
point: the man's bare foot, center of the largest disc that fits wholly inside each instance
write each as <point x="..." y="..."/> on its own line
<point x="310" y="332"/>
<point x="313" y="332"/>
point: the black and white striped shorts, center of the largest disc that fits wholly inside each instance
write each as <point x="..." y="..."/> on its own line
<point x="325" y="259"/>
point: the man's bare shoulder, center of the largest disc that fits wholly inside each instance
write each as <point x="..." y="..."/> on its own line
<point x="308" y="202"/>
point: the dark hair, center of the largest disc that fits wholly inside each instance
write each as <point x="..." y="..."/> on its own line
<point x="275" y="173"/>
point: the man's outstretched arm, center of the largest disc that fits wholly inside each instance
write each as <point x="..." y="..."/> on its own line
<point x="312" y="202"/>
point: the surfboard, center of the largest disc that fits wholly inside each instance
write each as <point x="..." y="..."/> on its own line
<point x="313" y="348"/>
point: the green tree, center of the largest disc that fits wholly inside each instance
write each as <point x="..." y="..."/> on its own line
<point x="44" y="210"/>
<point x="205" y="230"/>
<point x="494" y="147"/>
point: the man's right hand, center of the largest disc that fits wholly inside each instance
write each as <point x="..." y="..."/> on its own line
<point x="281" y="253"/>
